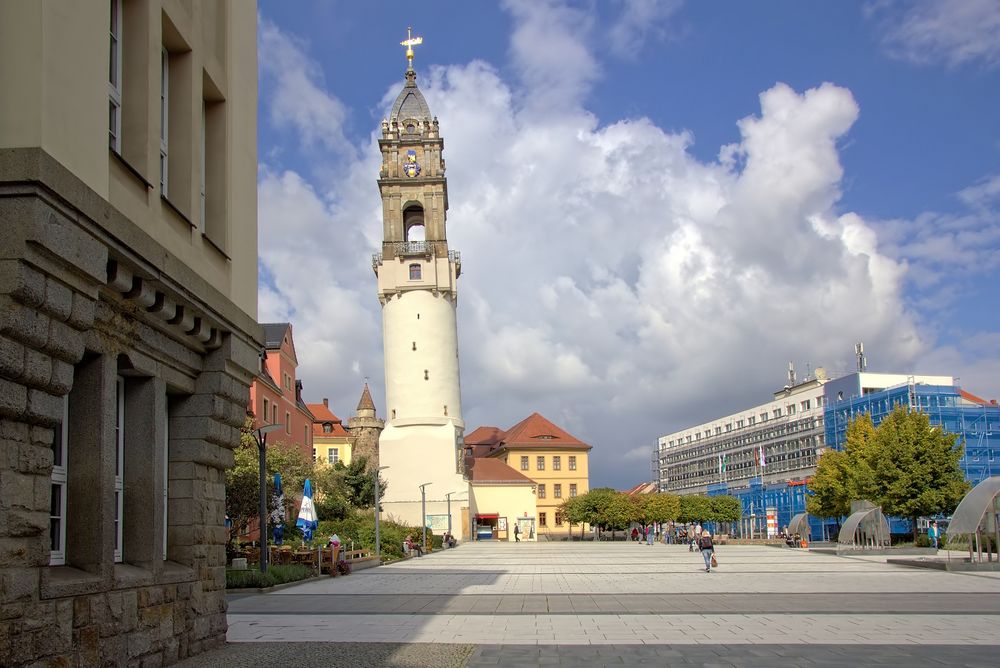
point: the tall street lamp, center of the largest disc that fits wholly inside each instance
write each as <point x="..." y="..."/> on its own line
<point x="378" y="538"/>
<point x="423" y="512"/>
<point x="448" y="497"/>
<point x="260" y="435"/>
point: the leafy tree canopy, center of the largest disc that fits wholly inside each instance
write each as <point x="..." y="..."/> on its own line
<point x="905" y="465"/>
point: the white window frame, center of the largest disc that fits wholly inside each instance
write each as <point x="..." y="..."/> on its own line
<point x="164" y="121"/>
<point x="332" y="455"/>
<point x="115" y="77"/>
<point x="57" y="557"/>
<point x="119" y="465"/>
<point x="166" y="470"/>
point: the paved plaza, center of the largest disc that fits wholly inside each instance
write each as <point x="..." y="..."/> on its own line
<point x="619" y="604"/>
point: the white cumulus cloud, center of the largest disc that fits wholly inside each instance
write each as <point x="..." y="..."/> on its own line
<point x="611" y="280"/>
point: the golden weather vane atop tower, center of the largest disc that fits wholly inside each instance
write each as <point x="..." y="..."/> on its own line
<point x="409" y="43"/>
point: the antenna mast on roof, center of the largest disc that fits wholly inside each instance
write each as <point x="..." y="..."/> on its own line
<point x="859" y="352"/>
<point x="791" y="374"/>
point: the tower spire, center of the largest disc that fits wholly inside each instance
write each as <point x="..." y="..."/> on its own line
<point x="409" y="43"/>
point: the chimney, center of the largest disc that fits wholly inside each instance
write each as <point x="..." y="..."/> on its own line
<point x="326" y="402"/>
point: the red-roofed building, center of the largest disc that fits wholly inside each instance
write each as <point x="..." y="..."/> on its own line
<point x="555" y="460"/>
<point x="331" y="442"/>
<point x="642" y="488"/>
<point x="276" y="394"/>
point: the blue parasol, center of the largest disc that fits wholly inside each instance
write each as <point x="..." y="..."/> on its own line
<point x="308" y="521"/>
<point x="278" y="514"/>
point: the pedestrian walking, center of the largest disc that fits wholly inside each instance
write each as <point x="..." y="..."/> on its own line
<point x="517" y="534"/>
<point x="635" y="534"/>
<point x="707" y="550"/>
<point x="933" y="533"/>
<point x="649" y="535"/>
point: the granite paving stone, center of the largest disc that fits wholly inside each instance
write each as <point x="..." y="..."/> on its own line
<point x="608" y="603"/>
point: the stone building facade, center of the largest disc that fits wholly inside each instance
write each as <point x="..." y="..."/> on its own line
<point x="128" y="338"/>
<point x="365" y="428"/>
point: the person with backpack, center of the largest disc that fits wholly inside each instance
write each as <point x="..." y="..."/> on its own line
<point x="707" y="550"/>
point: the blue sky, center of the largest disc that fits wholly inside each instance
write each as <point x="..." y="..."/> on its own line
<point x="659" y="203"/>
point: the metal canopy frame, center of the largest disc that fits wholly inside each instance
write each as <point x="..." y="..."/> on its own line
<point x="978" y="516"/>
<point x="800" y="525"/>
<point x="866" y="529"/>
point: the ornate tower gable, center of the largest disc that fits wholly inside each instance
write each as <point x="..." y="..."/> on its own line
<point x="415" y="253"/>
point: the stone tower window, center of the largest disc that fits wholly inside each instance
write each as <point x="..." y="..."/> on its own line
<point x="414" y="345"/>
<point x="413" y="223"/>
<point x="426" y="376"/>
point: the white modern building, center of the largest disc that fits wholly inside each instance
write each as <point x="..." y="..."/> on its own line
<point x="764" y="455"/>
<point x="780" y="439"/>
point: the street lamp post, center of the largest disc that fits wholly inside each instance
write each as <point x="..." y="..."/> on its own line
<point x="260" y="435"/>
<point x="378" y="538"/>
<point x="448" y="497"/>
<point x="423" y="512"/>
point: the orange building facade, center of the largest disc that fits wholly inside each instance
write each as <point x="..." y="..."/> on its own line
<point x="276" y="393"/>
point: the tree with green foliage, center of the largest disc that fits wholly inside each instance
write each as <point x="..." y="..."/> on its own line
<point x="694" y="509"/>
<point x="575" y="510"/>
<point x="905" y="465"/>
<point x="843" y="475"/>
<point x="915" y="468"/>
<point x="829" y="492"/>
<point x="243" y="479"/>
<point x="656" y="508"/>
<point x="619" y="512"/>
<point x="361" y="483"/>
<point x="725" y="508"/>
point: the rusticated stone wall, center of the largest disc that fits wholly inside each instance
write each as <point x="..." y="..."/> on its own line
<point x="87" y="315"/>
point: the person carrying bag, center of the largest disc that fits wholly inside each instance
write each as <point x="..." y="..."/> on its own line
<point x="707" y="551"/>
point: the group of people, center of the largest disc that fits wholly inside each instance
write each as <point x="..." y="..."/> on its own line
<point x="696" y="537"/>
<point x="650" y="534"/>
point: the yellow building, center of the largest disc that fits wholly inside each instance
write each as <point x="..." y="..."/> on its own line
<point x="556" y="461"/>
<point x="331" y="442"/>
<point x="501" y="498"/>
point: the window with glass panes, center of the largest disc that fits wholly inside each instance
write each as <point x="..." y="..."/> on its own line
<point x="524" y="463"/>
<point x="540" y="463"/>
<point x="557" y="463"/>
<point x="57" y="511"/>
<point x="572" y="462"/>
<point x="119" y="464"/>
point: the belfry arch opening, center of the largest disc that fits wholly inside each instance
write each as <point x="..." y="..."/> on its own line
<point x="413" y="223"/>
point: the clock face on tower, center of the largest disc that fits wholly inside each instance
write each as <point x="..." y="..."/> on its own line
<point x="410" y="167"/>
